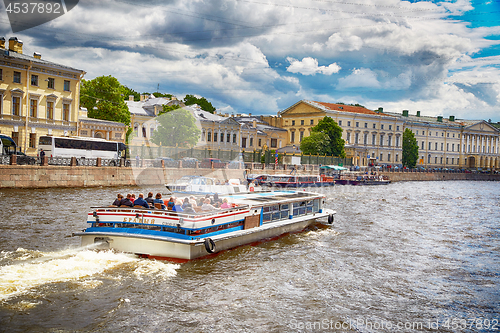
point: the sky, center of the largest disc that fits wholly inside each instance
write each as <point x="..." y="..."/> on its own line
<point x="263" y="56"/>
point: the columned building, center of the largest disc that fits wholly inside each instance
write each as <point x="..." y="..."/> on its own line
<point x="480" y="145"/>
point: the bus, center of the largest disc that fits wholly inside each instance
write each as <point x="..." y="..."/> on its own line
<point x="7" y="145"/>
<point x="80" y="147"/>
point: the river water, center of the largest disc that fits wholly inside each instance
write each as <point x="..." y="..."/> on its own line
<point x="407" y="257"/>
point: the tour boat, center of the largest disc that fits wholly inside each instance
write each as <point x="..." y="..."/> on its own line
<point x="205" y="185"/>
<point x="298" y="181"/>
<point x="161" y="234"/>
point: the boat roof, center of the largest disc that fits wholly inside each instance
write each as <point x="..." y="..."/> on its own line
<point x="333" y="167"/>
<point x="254" y="198"/>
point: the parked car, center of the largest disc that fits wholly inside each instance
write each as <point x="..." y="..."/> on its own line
<point x="207" y="163"/>
<point x="189" y="162"/>
<point x="22" y="158"/>
<point x="236" y="165"/>
<point x="169" y="162"/>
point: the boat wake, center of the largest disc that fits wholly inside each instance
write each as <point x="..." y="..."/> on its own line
<point x="27" y="269"/>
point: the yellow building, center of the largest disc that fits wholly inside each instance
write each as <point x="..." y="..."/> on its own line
<point x="38" y="97"/>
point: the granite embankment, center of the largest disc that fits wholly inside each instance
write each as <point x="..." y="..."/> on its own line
<point x="24" y="176"/>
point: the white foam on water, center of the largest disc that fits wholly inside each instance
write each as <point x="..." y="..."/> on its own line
<point x="160" y="269"/>
<point x="67" y="265"/>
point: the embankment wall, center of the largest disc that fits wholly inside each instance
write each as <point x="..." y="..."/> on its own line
<point x="27" y="176"/>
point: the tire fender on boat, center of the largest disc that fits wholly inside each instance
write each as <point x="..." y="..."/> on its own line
<point x="330" y="219"/>
<point x="209" y="245"/>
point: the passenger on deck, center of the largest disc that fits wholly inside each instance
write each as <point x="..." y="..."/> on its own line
<point x="118" y="200"/>
<point x="177" y="207"/>
<point x="126" y="201"/>
<point x="170" y="203"/>
<point x="225" y="204"/>
<point x="206" y="207"/>
<point x="159" y="200"/>
<point x="150" y="200"/>
<point x="185" y="202"/>
<point x="192" y="201"/>
<point x="141" y="202"/>
<point x="189" y="209"/>
<point x="132" y="197"/>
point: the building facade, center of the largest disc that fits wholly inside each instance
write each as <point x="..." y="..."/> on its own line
<point x="38" y="97"/>
<point x="374" y="137"/>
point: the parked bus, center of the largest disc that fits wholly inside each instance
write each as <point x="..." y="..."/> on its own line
<point x="7" y="145"/>
<point x="80" y="147"/>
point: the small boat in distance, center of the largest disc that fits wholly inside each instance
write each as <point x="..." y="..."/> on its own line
<point x="205" y="185"/>
<point x="160" y="234"/>
<point x="298" y="181"/>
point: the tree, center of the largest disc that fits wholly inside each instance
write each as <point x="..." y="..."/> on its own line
<point x="335" y="144"/>
<point x="410" y="149"/>
<point x="202" y="102"/>
<point x="103" y="98"/>
<point x="177" y="128"/>
<point x="315" y="143"/>
<point x="131" y="92"/>
<point x="168" y="108"/>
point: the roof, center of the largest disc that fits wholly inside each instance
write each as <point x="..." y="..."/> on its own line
<point x="25" y="57"/>
<point x="344" y="108"/>
<point x="289" y="150"/>
<point x="101" y="122"/>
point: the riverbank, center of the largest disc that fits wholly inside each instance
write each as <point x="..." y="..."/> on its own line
<point x="28" y="176"/>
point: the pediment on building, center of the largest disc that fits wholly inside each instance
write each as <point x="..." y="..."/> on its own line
<point x="302" y="108"/>
<point x="482" y="126"/>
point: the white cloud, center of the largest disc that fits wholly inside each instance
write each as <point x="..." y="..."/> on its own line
<point x="309" y="66"/>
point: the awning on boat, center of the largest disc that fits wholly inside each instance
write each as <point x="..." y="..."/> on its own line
<point x="333" y="167"/>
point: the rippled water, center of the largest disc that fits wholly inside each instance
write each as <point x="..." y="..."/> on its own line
<point x="421" y="255"/>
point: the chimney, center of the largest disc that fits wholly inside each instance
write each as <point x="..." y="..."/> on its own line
<point x="452" y="118"/>
<point x="131" y="98"/>
<point x="2" y="42"/>
<point x="174" y="98"/>
<point x="405" y="113"/>
<point x="142" y="98"/>
<point x="156" y="110"/>
<point x="15" y="45"/>
<point x="380" y="110"/>
<point x="440" y="119"/>
<point x="37" y="55"/>
<point x="249" y="114"/>
<point x="226" y="115"/>
<point x="418" y="113"/>
<point x="254" y="123"/>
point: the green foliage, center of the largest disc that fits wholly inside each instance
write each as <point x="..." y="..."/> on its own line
<point x="129" y="92"/>
<point x="202" y="102"/>
<point x="103" y="98"/>
<point x="315" y="143"/>
<point x="410" y="149"/>
<point x="168" y="108"/>
<point x="177" y="128"/>
<point x="268" y="157"/>
<point x="335" y="145"/>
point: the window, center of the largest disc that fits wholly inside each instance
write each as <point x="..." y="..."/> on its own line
<point x="228" y="137"/>
<point x="348" y="124"/>
<point x="390" y="127"/>
<point x="1" y="74"/>
<point x="66" y="85"/>
<point x="381" y="126"/>
<point x="144" y="132"/>
<point x="260" y="142"/>
<point x="222" y="137"/>
<point x="292" y="136"/>
<point x="357" y="124"/>
<point x="302" y="122"/>
<point x="34" y="80"/>
<point x="442" y="134"/>
<point x="417" y="132"/>
<point x="389" y="157"/>
<point x="15" y="137"/>
<point x="243" y="142"/>
<point x="452" y="160"/>
<point x="32" y="140"/>
<point x="423" y="145"/>
<point x="430" y="133"/>
<point x="366" y="125"/>
<point x="274" y="143"/>
<point x="216" y="135"/>
<point x="374" y="125"/>
<point x="33" y="108"/>
<point x="348" y="137"/>
<point x="17" y="77"/>
<point x="441" y="160"/>
<point x="397" y="158"/>
<point x="312" y="121"/>
<point x="430" y="143"/>
<point x="234" y="138"/>
<point x="429" y="158"/>
<point x="397" y="129"/>
<point x="452" y="147"/>
<point x="365" y="139"/>
<point x="389" y="140"/>
<point x="435" y="160"/>
<point x="381" y="140"/>
<point x="16" y="104"/>
<point x="436" y="146"/>
<point x="293" y="122"/>
<point x="374" y="139"/>
<point x="442" y="145"/>
<point x="251" y="142"/>
<point x="65" y="112"/>
<point x="51" y="83"/>
<point x="447" y="135"/>
<point x="151" y="131"/>
<point x="301" y="136"/>
<point x="397" y="141"/>
<point x="356" y="138"/>
<point x="447" y="147"/>
<point x="381" y="157"/>
<point x="50" y="110"/>
<point x="423" y="132"/>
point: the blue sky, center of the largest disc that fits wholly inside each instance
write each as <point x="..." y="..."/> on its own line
<point x="260" y="57"/>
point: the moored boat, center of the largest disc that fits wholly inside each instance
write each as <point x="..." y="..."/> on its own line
<point x="298" y="181"/>
<point x="161" y="234"/>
